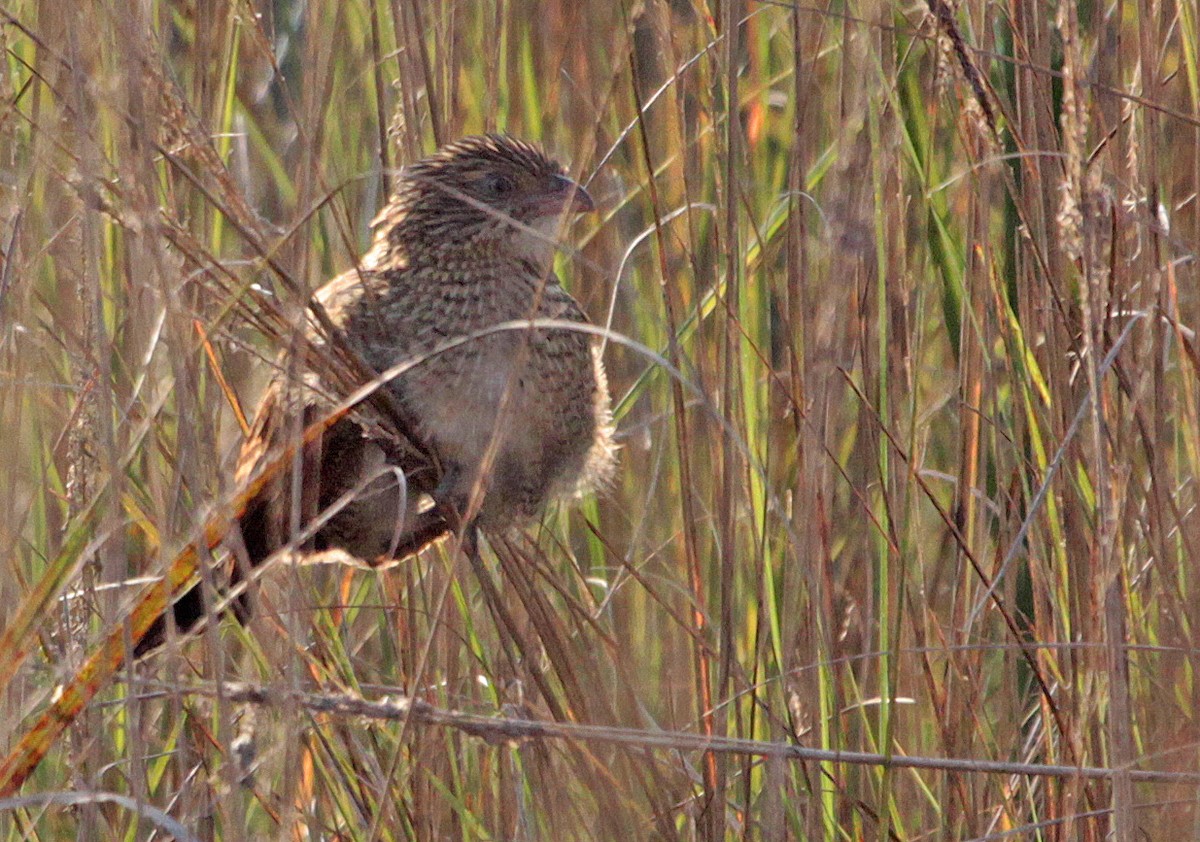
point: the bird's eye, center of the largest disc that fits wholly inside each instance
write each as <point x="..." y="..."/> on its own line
<point x="498" y="185"/>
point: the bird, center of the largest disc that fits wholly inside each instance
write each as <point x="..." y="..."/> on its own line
<point x="499" y="415"/>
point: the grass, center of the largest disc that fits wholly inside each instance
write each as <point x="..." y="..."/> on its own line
<point x="902" y="310"/>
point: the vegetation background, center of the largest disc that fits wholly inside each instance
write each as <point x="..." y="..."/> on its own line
<point x="909" y="417"/>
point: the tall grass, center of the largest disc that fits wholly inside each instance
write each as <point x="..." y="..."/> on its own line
<point x="902" y="308"/>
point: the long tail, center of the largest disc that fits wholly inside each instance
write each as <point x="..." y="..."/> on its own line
<point x="331" y="463"/>
<point x="190" y="609"/>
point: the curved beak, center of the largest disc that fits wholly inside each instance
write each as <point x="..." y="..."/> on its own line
<point x="573" y="198"/>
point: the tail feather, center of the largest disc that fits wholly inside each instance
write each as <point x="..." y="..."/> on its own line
<point x="330" y="466"/>
<point x="190" y="609"/>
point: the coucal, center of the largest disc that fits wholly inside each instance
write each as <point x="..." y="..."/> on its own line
<point x="497" y="420"/>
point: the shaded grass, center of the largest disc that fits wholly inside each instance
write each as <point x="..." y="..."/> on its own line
<point x="917" y="480"/>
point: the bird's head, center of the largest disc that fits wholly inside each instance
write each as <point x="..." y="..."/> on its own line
<point x="487" y="192"/>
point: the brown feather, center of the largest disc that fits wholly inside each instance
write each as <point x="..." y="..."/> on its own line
<point x="492" y="428"/>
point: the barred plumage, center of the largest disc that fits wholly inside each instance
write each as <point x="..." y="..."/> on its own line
<point x="522" y="416"/>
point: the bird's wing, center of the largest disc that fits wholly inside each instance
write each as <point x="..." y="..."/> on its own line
<point x="557" y="303"/>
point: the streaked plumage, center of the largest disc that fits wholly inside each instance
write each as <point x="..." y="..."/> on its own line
<point x="465" y="244"/>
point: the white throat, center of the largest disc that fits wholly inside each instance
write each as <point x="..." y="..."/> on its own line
<point x="538" y="248"/>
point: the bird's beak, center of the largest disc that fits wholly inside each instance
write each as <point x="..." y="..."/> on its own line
<point x="574" y="198"/>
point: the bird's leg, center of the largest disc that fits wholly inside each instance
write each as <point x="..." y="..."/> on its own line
<point x="446" y="497"/>
<point x="470" y="548"/>
<point x="450" y="504"/>
<point x="453" y="507"/>
<point x="423" y="527"/>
